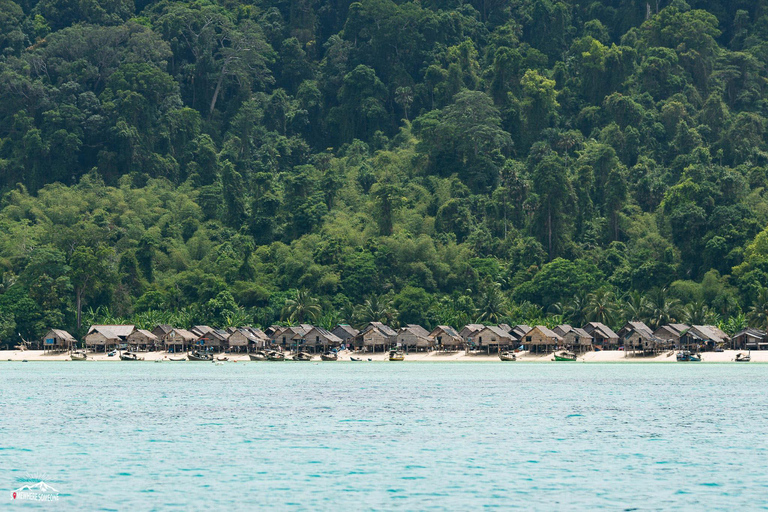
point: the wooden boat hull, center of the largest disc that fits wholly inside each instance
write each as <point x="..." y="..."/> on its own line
<point x="508" y="357"/>
<point x="275" y="357"/>
<point x="257" y="357"/>
<point x="177" y="359"/>
<point x="399" y="357"/>
<point x="193" y="357"/>
<point x="329" y="357"/>
<point x="78" y="358"/>
<point x="301" y="356"/>
<point x="127" y="358"/>
<point x="564" y="358"/>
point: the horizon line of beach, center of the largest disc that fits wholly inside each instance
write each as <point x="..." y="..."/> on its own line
<point x="604" y="356"/>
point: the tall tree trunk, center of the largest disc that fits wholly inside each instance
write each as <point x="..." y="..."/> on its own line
<point x="549" y="228"/>
<point x="217" y="90"/>
<point x="79" y="301"/>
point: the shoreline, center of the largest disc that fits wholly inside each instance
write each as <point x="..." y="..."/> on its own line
<point x="614" y="356"/>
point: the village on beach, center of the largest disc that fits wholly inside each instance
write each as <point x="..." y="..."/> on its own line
<point x="594" y="342"/>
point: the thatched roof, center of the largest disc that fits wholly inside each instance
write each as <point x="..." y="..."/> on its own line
<point x="601" y="329"/>
<point x="415" y="329"/>
<point x="564" y="329"/>
<point x="546" y="332"/>
<point x="257" y="332"/>
<point x="494" y="329"/>
<point x="163" y="329"/>
<point x="183" y="334"/>
<point x="112" y="332"/>
<point x="521" y="330"/>
<point x="708" y="333"/>
<point x="446" y="329"/>
<point x="640" y="328"/>
<point x="382" y="328"/>
<point x="148" y="335"/>
<point x="751" y="332"/>
<point x="325" y="335"/>
<point x="62" y="335"/>
<point x="345" y="331"/>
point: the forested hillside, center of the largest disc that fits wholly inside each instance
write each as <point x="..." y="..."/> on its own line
<point x="444" y="161"/>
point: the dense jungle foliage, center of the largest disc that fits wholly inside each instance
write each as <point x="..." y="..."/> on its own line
<point x="436" y="162"/>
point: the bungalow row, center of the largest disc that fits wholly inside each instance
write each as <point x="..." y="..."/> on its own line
<point x="635" y="337"/>
<point x="169" y="338"/>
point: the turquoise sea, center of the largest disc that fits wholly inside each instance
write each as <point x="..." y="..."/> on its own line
<point x="385" y="436"/>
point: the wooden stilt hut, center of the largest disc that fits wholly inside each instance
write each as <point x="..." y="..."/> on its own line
<point x="540" y="339"/>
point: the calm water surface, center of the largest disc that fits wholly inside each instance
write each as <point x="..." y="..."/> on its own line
<point x="404" y="436"/>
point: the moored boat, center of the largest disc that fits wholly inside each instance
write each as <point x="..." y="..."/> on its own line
<point x="222" y="358"/>
<point x="565" y="356"/>
<point x="396" y="355"/>
<point x="507" y="356"/>
<point x="130" y="356"/>
<point x="329" y="356"/>
<point x="275" y="356"/>
<point x="199" y="356"/>
<point x="301" y="356"/>
<point x="354" y="358"/>
<point x="177" y="359"/>
<point x="78" y="356"/>
<point x="686" y="356"/>
<point x="258" y="356"/>
<point x="743" y="358"/>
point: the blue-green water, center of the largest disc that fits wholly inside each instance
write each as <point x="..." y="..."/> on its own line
<point x="412" y="436"/>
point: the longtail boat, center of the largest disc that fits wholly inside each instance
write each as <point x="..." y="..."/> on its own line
<point x="565" y="356"/>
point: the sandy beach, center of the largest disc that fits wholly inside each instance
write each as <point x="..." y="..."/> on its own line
<point x="616" y="356"/>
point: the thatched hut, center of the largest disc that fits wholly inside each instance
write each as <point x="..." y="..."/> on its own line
<point x="414" y="337"/>
<point x="346" y="333"/>
<point x="107" y="337"/>
<point x="492" y="337"/>
<point x="469" y="332"/>
<point x="603" y="337"/>
<point x="161" y="331"/>
<point x="57" y="340"/>
<point x="519" y="331"/>
<point x="445" y="337"/>
<point x="670" y="334"/>
<point x="750" y="339"/>
<point x="291" y="337"/>
<point x="703" y="337"/>
<point x="542" y="339"/>
<point x="375" y="335"/>
<point x="318" y="339"/>
<point x="141" y="339"/>
<point x="179" y="340"/>
<point x="638" y="337"/>
<point x="574" y="338"/>
<point x="241" y="339"/>
<point x="261" y="337"/>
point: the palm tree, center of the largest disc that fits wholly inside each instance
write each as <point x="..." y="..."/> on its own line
<point x="375" y="309"/>
<point x="698" y="313"/>
<point x="601" y="306"/>
<point x="237" y="318"/>
<point x="576" y="309"/>
<point x="758" y="312"/>
<point x="404" y="98"/>
<point x="635" y="306"/>
<point x="302" y="307"/>
<point x="492" y="304"/>
<point x="663" y="309"/>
